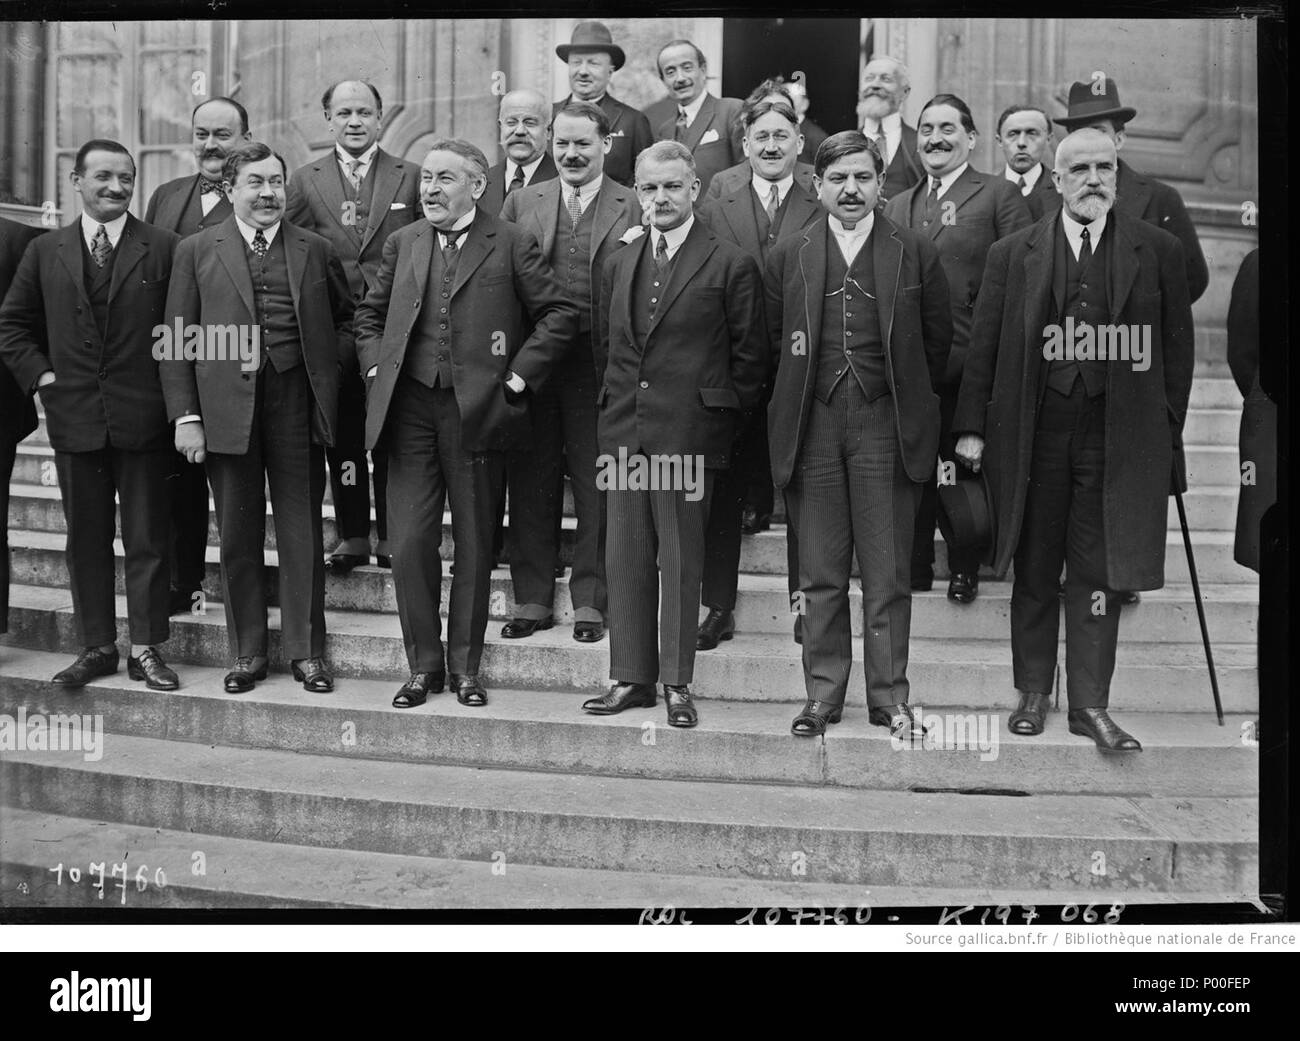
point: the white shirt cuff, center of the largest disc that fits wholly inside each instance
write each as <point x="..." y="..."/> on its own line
<point x="189" y="419"/>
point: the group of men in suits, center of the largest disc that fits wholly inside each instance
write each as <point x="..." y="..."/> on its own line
<point x="641" y="288"/>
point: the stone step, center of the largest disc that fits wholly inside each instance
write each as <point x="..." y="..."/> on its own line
<point x="1149" y="676"/>
<point x="762" y="603"/>
<point x="741" y="831"/>
<point x="1214" y="392"/>
<point x="1212" y="426"/>
<point x="1185" y="753"/>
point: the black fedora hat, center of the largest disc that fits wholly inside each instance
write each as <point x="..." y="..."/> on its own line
<point x="1086" y="104"/>
<point x="966" y="515"/>
<point x="592" y="36"/>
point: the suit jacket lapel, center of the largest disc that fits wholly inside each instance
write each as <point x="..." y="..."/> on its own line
<point x="738" y="211"/>
<point x="612" y="109"/>
<point x="422" y="255"/>
<point x="703" y="120"/>
<point x="966" y="187"/>
<point x="690" y="258"/>
<point x="130" y="250"/>
<point x="478" y="244"/>
<point x="388" y="176"/>
<point x="812" y="265"/>
<point x="295" y="258"/>
<point x="328" y="182"/>
<point x="887" y="260"/>
<point x="605" y="217"/>
<point x="1039" y="264"/>
<point x="70" y="254"/>
<point x="1123" y="266"/>
<point x="1132" y="191"/>
<point x="230" y="251"/>
<point x="800" y="207"/>
<point x="547" y="211"/>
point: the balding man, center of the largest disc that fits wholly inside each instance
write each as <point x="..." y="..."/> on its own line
<point x="885" y="86"/>
<point x="355" y="196"/>
<point x="187" y="206"/>
<point x="524" y="120"/>
<point x="1080" y="441"/>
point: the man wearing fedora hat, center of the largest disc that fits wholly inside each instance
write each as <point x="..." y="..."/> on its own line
<point x="1080" y="452"/>
<point x="593" y="57"/>
<point x="1096" y="104"/>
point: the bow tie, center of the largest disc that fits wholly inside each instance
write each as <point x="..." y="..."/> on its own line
<point x="207" y="187"/>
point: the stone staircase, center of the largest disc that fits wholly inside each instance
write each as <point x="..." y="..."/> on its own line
<point x="280" y="798"/>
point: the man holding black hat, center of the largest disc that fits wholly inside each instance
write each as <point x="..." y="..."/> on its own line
<point x="593" y="57"/>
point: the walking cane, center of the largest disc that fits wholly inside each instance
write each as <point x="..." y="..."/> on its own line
<point x="1200" y="607"/>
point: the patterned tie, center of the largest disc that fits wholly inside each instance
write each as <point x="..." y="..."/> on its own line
<point x="661" y="253"/>
<point x="260" y="245"/>
<point x="450" y="250"/>
<point x="517" y="181"/>
<point x="679" y="130"/>
<point x="99" y="247"/>
<point x="575" y="207"/>
<point x="207" y="187"/>
<point x="1024" y="188"/>
<point x="773" y="203"/>
<point x="354" y="174"/>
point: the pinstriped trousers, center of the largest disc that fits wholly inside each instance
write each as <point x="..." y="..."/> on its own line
<point x="654" y="563"/>
<point x="850" y="495"/>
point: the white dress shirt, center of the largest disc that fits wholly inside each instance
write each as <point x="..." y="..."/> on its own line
<point x="90" y="227"/>
<point x="675" y="237"/>
<point x="850" y="241"/>
<point x="209" y="200"/>
<point x="1074" y="232"/>
<point x="693" y="109"/>
<point x="249" y="231"/>
<point x="586" y="193"/>
<point x="528" y="170"/>
<point x="893" y="124"/>
<point x="346" y="158"/>
<point x="763" y="188"/>
<point x="1031" y="178"/>
<point x="462" y="222"/>
<point x="946" y="181"/>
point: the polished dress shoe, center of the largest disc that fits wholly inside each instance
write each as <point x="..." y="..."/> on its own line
<point x="313" y="675"/>
<point x="922" y="580"/>
<point x="241" y="679"/>
<point x="681" y="705"/>
<point x="963" y="588"/>
<point x="717" y="626"/>
<point x="899" y="720"/>
<point x="1097" y="724"/>
<point x="622" y="696"/>
<point x="182" y="601"/>
<point x="1128" y="598"/>
<point x="342" y="563"/>
<point x="588" y="632"/>
<point x="90" y="664"/>
<point x="811" y="722"/>
<point x="153" y="670"/>
<point x="518" y="628"/>
<point x="752" y="522"/>
<point x="382" y="556"/>
<point x="468" y="690"/>
<point x="1030" y="715"/>
<point x="559" y="570"/>
<point x="415" y="690"/>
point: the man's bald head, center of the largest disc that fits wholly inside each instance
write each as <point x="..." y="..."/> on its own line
<point x="1085" y="174"/>
<point x="525" y="122"/>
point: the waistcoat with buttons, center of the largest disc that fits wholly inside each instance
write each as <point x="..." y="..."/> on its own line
<point x="570" y="257"/>
<point x="98" y="281"/>
<point x="768" y="230"/>
<point x="362" y="199"/>
<point x="428" y="352"/>
<point x="648" y="286"/>
<point x="273" y="300"/>
<point x="1082" y="292"/>
<point x="850" y="329"/>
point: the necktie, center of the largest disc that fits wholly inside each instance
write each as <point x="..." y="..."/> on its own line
<point x="99" y="247"/>
<point x="932" y="201"/>
<point x="661" y="253"/>
<point x="881" y="146"/>
<point x="1024" y="188"/>
<point x="260" y="245"/>
<point x="207" y="187"/>
<point x="575" y="207"/>
<point x="517" y="181"/>
<point x="679" y="131"/>
<point x="773" y="202"/>
<point x="450" y="249"/>
<point x="1085" y="248"/>
<point x="354" y="175"/>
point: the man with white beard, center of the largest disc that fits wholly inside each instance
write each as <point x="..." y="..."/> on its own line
<point x="885" y="86"/>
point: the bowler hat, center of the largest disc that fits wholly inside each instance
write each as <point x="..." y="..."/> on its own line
<point x="966" y="515"/>
<point x="592" y="36"/>
<point x="1087" y="104"/>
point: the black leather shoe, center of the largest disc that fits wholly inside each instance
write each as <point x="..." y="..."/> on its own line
<point x="588" y="632"/>
<point x="468" y="690"/>
<point x="89" y="664"/>
<point x="681" y="706"/>
<point x="1128" y="598"/>
<point x="622" y="696"/>
<point x="922" y="580"/>
<point x="182" y="601"/>
<point x="313" y="674"/>
<point x="382" y="557"/>
<point x="1030" y="715"/>
<point x="153" y="670"/>
<point x="559" y="570"/>
<point x="518" y="628"/>
<point x="241" y="679"/>
<point x="899" y="720"/>
<point x="798" y="629"/>
<point x="717" y="626"/>
<point x="752" y="522"/>
<point x="1097" y="724"/>
<point x="963" y="588"/>
<point x="415" y="690"/>
<point x="811" y="722"/>
<point x="342" y="563"/>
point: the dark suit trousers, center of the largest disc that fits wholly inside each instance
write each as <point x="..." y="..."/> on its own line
<point x="747" y="480"/>
<point x="87" y="482"/>
<point x="352" y="497"/>
<point x="187" y="488"/>
<point x="849" y="493"/>
<point x="654" y="560"/>
<point x="927" y="512"/>
<point x="8" y="452"/>
<point x="1063" y="524"/>
<point x="564" y="437"/>
<point x="281" y="454"/>
<point x="426" y="467"/>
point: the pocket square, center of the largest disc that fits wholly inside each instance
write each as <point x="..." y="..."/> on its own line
<point x="398" y="206"/>
<point x="709" y="137"/>
<point x="617" y="133"/>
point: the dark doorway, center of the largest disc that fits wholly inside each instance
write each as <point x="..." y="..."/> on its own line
<point x="825" y="50"/>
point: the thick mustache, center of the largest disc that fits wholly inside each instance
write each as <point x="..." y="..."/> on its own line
<point x="938" y="147"/>
<point x="572" y="163"/>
